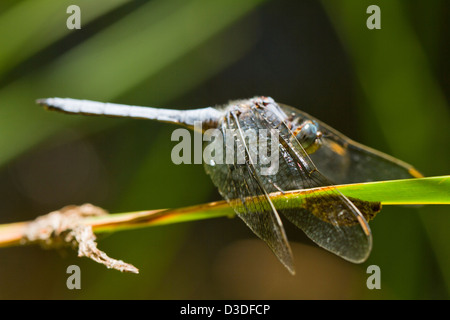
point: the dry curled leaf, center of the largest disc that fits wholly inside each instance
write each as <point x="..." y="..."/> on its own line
<point x="65" y="227"/>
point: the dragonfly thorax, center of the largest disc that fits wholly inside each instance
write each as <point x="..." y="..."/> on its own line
<point x="306" y="131"/>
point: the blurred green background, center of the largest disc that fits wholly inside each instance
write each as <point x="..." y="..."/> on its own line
<point x="387" y="88"/>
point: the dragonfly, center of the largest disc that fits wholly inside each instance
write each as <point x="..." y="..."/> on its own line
<point x="310" y="154"/>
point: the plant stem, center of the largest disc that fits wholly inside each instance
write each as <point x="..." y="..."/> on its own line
<point x="433" y="190"/>
<point x="12" y="234"/>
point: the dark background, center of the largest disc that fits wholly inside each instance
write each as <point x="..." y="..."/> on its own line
<point x="386" y="88"/>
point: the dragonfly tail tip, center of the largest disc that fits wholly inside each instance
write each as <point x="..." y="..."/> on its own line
<point x="42" y="102"/>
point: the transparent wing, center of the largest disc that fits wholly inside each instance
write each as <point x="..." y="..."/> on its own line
<point x="331" y="219"/>
<point x="346" y="161"/>
<point x="241" y="186"/>
<point x="343" y="160"/>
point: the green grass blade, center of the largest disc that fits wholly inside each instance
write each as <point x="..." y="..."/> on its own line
<point x="432" y="190"/>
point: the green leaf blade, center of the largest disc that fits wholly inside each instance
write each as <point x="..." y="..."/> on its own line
<point x="431" y="190"/>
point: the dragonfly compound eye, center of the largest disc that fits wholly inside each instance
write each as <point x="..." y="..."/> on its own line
<point x="308" y="136"/>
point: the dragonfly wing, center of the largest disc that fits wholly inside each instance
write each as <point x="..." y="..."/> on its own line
<point x="241" y="186"/>
<point x="329" y="218"/>
<point x="333" y="221"/>
<point x="346" y="161"/>
<point x="343" y="160"/>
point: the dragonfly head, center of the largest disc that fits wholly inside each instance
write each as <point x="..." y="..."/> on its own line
<point x="308" y="135"/>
